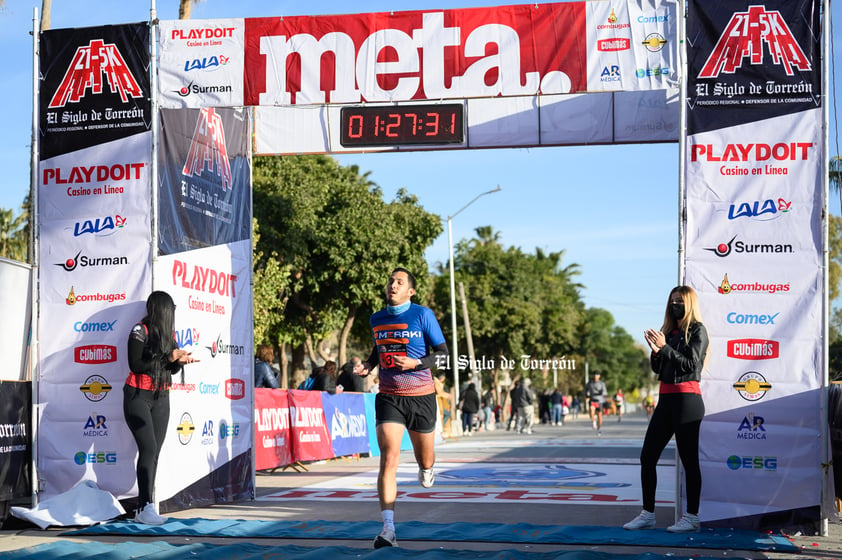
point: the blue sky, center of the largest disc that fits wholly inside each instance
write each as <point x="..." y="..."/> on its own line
<point x="611" y="209"/>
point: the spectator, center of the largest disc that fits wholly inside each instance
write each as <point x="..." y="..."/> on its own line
<point x="264" y="375"/>
<point x="349" y="380"/>
<point x="469" y="404"/>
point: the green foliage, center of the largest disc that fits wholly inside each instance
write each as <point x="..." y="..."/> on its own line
<point x="14" y="234"/>
<point x="330" y="229"/>
<point x="522" y="304"/>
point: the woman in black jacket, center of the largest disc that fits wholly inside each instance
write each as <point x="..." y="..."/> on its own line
<point x="678" y="355"/>
<point x="154" y="357"/>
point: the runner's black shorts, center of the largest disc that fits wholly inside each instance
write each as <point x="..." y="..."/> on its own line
<point x="416" y="413"/>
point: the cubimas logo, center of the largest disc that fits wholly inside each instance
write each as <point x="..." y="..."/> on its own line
<point x="95" y="388"/>
<point x="207" y="149"/>
<point x="752" y="386"/>
<point x="738" y="247"/>
<point x="751" y="35"/>
<point x="95" y="354"/>
<point x="753" y="349"/>
<point x="760" y="210"/>
<point x="87" y="69"/>
<point x="185" y="429"/>
<point x="235" y="389"/>
<point x="727" y="287"/>
<point x="613" y="45"/>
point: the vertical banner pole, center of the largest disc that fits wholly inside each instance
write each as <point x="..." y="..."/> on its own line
<point x="824" y="413"/>
<point x="34" y="255"/>
<point x="153" y="162"/>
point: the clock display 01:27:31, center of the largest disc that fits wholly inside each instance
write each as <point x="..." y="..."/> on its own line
<point x="407" y="124"/>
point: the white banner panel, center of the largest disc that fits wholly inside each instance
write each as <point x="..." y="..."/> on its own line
<point x="201" y="63"/>
<point x="16" y="302"/>
<point x="754" y="252"/>
<point x="210" y="413"/>
<point x="632" y="45"/>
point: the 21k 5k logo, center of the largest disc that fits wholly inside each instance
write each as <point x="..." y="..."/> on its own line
<point x="87" y="69"/>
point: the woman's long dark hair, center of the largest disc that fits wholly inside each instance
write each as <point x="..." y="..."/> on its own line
<point x="160" y="320"/>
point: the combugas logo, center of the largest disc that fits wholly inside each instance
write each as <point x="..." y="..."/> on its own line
<point x="727" y="287"/>
<point x="750" y="35"/>
<point x="72" y="298"/>
<point x="95" y="388"/>
<point x="752" y="386"/>
<point x="90" y="64"/>
<point x="207" y="149"/>
<point x="185" y="428"/>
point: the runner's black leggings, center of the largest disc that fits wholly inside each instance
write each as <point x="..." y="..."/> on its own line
<point x="147" y="415"/>
<point x="680" y="414"/>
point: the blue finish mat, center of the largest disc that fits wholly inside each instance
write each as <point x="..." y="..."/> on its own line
<point x="246" y="551"/>
<point x="732" y="539"/>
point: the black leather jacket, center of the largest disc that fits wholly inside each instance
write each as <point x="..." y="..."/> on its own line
<point x="681" y="360"/>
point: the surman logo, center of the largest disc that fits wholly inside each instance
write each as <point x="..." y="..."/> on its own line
<point x="745" y="36"/>
<point x="87" y="69"/>
<point x="207" y="149"/>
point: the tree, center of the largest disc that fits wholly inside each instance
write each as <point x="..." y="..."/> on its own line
<point x="339" y="239"/>
<point x="14" y="235"/>
<point x="185" y="7"/>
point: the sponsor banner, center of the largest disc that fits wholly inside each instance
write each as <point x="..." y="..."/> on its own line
<point x="400" y="56"/>
<point x="211" y="409"/>
<point x="204" y="179"/>
<point x="15" y="440"/>
<point x="754" y="249"/>
<point x="272" y="443"/>
<point x="631" y="45"/>
<point x="201" y="63"/>
<point x="94" y="86"/>
<point x="309" y="432"/>
<point x="752" y="61"/>
<point x="16" y="302"/>
<point x="346" y="421"/>
<point x="110" y="176"/>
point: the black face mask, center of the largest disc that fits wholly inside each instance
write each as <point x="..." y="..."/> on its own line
<point x="677" y="311"/>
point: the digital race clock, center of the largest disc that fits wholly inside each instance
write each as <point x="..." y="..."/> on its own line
<point x="401" y="124"/>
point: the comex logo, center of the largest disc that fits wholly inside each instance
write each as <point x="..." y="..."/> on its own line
<point x="745" y="35"/>
<point x="86" y="70"/>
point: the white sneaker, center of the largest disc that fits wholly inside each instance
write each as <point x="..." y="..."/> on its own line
<point x="148" y="516"/>
<point x="426" y="477"/>
<point x="688" y="523"/>
<point x="645" y="520"/>
<point x="385" y="538"/>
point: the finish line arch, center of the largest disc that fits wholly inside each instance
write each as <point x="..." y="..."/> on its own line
<point x="751" y="121"/>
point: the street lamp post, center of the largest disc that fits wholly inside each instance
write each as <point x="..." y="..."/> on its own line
<point x="454" y="358"/>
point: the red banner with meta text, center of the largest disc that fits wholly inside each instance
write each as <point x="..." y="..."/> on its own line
<point x="308" y="425"/>
<point x="397" y="56"/>
<point x="272" y="435"/>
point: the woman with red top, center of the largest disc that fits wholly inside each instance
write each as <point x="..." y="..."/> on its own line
<point x="678" y="355"/>
<point x="153" y="357"/>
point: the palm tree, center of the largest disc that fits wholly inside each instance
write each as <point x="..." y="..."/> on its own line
<point x="185" y="7"/>
<point x="13" y="235"/>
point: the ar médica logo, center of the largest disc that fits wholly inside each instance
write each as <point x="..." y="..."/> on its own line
<point x="745" y="36"/>
<point x="92" y="67"/>
<point x="207" y="149"/>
